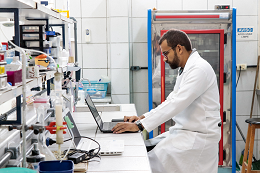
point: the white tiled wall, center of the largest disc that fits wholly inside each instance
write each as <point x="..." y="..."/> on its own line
<point x="109" y="45"/>
<point x="195" y="5"/>
<point x="119" y="29"/>
<point x="246" y="80"/>
<point x="94" y="55"/>
<point x="141" y="102"/>
<point x="97" y="27"/>
<point x="92" y="8"/>
<point x="120" y="81"/>
<point x="94" y="74"/>
<point x="139" y="29"/>
<point x="246" y="8"/>
<point x="75" y="9"/>
<point x="139" y="8"/>
<point x="140" y="81"/>
<point x="140" y="54"/>
<point x="245" y="55"/>
<point x="247" y="52"/>
<point x="248" y="21"/>
<point x="113" y="9"/>
<point x="119" y="55"/>
<point x="169" y="5"/>
<point x="122" y="99"/>
<point x="244" y="100"/>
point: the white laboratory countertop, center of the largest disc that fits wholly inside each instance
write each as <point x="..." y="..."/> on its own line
<point x="116" y="108"/>
<point x="107" y="99"/>
<point x="104" y="101"/>
<point x="133" y="160"/>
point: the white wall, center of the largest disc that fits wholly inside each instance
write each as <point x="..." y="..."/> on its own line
<point x="108" y="52"/>
<point x="108" y="22"/>
<point x="247" y="53"/>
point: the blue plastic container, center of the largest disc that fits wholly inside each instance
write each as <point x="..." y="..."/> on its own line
<point x="55" y="166"/>
<point x="95" y="85"/>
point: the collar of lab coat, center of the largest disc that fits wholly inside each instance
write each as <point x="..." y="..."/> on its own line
<point x="191" y="60"/>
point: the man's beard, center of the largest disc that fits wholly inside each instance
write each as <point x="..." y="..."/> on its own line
<point x="175" y="62"/>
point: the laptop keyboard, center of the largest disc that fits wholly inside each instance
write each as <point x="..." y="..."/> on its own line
<point x="108" y="125"/>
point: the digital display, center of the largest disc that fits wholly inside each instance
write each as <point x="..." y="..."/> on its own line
<point x="222" y="7"/>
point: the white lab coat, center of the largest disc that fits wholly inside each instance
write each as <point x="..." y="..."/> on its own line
<point x="191" y="145"/>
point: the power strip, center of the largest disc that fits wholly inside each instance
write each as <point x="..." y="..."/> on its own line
<point x="77" y="157"/>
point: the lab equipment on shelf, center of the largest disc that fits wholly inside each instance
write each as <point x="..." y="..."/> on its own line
<point x="32" y="28"/>
<point x="17" y="62"/>
<point x="81" y="95"/>
<point x="3" y="76"/>
<point x="96" y="89"/>
<point x="41" y="105"/>
<point x="35" y="158"/>
<point x="58" y="107"/>
<point x="14" y="71"/>
<point x="32" y="37"/>
<point x="32" y="71"/>
<point x="3" y="82"/>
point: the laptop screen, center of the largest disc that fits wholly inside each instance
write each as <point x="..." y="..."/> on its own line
<point x="94" y="111"/>
<point x="73" y="130"/>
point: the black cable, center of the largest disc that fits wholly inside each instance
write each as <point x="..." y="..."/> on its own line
<point x="89" y="154"/>
<point x="238" y="76"/>
<point x="251" y="66"/>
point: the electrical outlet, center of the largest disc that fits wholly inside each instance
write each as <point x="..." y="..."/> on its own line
<point x="241" y="66"/>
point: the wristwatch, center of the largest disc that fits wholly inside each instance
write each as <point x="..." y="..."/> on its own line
<point x="139" y="125"/>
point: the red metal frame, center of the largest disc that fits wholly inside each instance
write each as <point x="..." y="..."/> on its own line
<point x="186" y="16"/>
<point x="162" y="88"/>
<point x="221" y="78"/>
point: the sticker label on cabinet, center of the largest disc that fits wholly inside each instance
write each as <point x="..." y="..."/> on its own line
<point x="245" y="33"/>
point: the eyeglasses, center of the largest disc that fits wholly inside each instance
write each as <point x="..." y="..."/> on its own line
<point x="165" y="53"/>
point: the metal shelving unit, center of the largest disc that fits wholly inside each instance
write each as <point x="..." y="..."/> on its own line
<point x="32" y="9"/>
<point x="15" y="91"/>
<point x="22" y="10"/>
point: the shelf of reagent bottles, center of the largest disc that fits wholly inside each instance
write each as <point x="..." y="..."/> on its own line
<point x="18" y="4"/>
<point x="32" y="9"/>
<point x="15" y="91"/>
<point x="43" y="13"/>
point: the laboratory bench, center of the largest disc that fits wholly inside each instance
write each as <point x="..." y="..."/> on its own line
<point x="103" y="101"/>
<point x="134" y="157"/>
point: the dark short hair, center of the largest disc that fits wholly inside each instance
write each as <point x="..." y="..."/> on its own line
<point x="175" y="37"/>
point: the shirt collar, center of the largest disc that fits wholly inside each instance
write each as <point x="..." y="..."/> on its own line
<point x="182" y="69"/>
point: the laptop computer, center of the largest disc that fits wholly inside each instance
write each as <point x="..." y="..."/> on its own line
<point x="105" y="127"/>
<point x="108" y="147"/>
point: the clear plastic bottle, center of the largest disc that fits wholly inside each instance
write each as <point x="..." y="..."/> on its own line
<point x="17" y="62"/>
<point x="81" y="95"/>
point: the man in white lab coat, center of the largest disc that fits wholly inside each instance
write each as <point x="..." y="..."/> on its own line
<point x="191" y="145"/>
